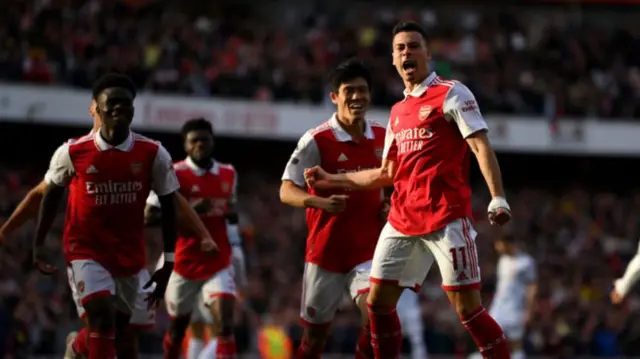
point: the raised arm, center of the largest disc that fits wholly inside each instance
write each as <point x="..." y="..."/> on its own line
<point x="292" y="189"/>
<point x="27" y="209"/>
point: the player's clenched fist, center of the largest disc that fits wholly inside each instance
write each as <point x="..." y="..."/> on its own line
<point x="499" y="211"/>
<point x="313" y="175"/>
<point x="39" y="262"/>
<point x="335" y="203"/>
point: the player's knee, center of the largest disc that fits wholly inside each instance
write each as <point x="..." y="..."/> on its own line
<point x="383" y="294"/>
<point x="465" y="301"/>
<point x="100" y="313"/>
<point x="197" y="330"/>
<point x="361" y="302"/>
<point x="315" y="336"/>
<point x="226" y="309"/>
<point x="178" y="328"/>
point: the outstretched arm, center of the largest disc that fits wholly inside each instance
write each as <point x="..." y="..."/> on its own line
<point x="26" y="210"/>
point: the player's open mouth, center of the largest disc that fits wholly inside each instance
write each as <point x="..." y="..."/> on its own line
<point x="409" y="65"/>
<point x="357" y="107"/>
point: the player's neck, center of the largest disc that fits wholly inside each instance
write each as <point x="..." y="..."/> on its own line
<point x="355" y="129"/>
<point x="203" y="164"/>
<point x="112" y="136"/>
<point x="411" y="85"/>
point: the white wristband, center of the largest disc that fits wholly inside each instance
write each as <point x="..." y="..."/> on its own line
<point x="169" y="257"/>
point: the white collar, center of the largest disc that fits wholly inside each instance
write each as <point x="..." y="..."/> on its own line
<point x="342" y="135"/>
<point x="103" y="145"/>
<point x="199" y="170"/>
<point x="422" y="88"/>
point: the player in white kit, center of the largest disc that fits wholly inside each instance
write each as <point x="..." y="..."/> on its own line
<point x="622" y="286"/>
<point x="411" y="320"/>
<point x="516" y="290"/>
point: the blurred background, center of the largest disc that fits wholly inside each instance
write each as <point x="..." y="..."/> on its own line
<point x="559" y="84"/>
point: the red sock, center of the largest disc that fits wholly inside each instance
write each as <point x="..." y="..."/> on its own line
<point x="487" y="334"/>
<point x="171" y="349"/>
<point x="386" y="333"/>
<point x="305" y="351"/>
<point x="80" y="345"/>
<point x="226" y="348"/>
<point x="364" y="350"/>
<point x="101" y="345"/>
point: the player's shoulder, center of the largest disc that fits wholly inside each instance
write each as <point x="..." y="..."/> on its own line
<point x="225" y="167"/>
<point x="145" y="141"/>
<point x="526" y="259"/>
<point x="79" y="141"/>
<point x="324" y="128"/>
<point x="379" y="130"/>
<point x="181" y="166"/>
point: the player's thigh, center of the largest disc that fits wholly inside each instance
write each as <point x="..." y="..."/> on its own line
<point x="322" y="292"/>
<point x="400" y="259"/>
<point x="91" y="280"/>
<point x="181" y="294"/>
<point x="127" y="289"/>
<point x="201" y="312"/>
<point x="75" y="295"/>
<point x="142" y="316"/>
<point x="221" y="285"/>
<point x="358" y="280"/>
<point x="454" y="248"/>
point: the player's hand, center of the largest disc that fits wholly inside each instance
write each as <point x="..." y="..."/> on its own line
<point x="499" y="211"/>
<point x="334" y="204"/>
<point x="203" y="205"/>
<point x="615" y="297"/>
<point x="159" y="280"/>
<point x="314" y="174"/>
<point x="41" y="264"/>
<point x="208" y="245"/>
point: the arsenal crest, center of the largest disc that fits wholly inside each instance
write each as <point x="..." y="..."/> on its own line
<point x="136" y="167"/>
<point x="225" y="187"/>
<point x="379" y="152"/>
<point x="424" y="112"/>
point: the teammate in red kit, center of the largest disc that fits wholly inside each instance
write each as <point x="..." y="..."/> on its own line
<point x="343" y="226"/>
<point x="426" y="159"/>
<point x="142" y="317"/>
<point x="211" y="187"/>
<point x="109" y="174"/>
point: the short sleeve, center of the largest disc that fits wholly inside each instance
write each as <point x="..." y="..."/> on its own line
<point x="164" y="177"/>
<point x="153" y="200"/>
<point x="390" y="147"/>
<point x="306" y="155"/>
<point x="461" y="107"/>
<point x="61" y="169"/>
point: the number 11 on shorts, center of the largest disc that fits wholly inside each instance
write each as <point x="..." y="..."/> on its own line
<point x="461" y="260"/>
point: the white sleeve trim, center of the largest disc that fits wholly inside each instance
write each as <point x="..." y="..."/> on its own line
<point x="164" y="177"/>
<point x="461" y="107"/>
<point x="61" y="169"/>
<point x="306" y="155"/>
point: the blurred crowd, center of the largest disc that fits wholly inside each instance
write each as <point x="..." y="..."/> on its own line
<point x="535" y="60"/>
<point x="581" y="241"/>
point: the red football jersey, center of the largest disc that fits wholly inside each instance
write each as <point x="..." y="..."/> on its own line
<point x="340" y="241"/>
<point x="426" y="137"/>
<point x="107" y="191"/>
<point x="217" y="184"/>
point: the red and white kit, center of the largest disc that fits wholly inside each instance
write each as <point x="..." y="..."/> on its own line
<point x="103" y="237"/>
<point x="430" y="217"/>
<point x="197" y="272"/>
<point x="339" y="245"/>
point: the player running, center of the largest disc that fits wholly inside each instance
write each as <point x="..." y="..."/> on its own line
<point x="516" y="290"/>
<point x="211" y="188"/>
<point x="343" y="226"/>
<point x="622" y="286"/>
<point x="410" y="317"/>
<point x="142" y="317"/>
<point x="426" y="159"/>
<point x="109" y="174"/>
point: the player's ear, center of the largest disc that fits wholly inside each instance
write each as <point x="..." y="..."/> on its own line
<point x="334" y="97"/>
